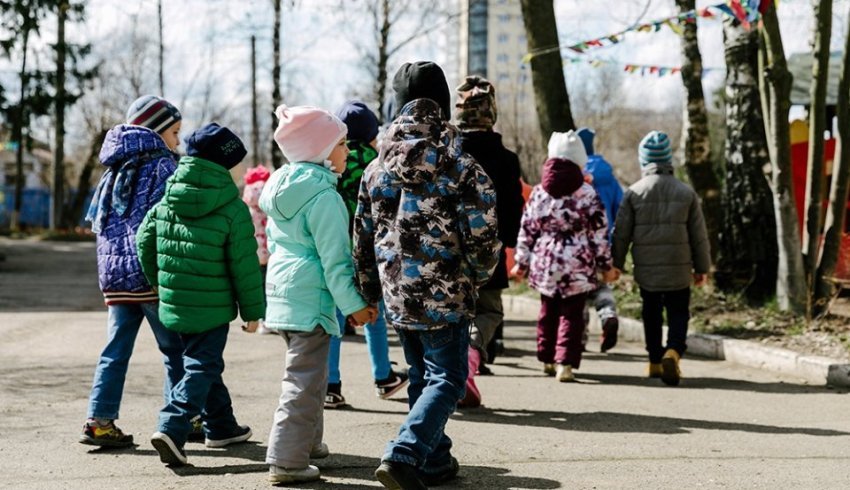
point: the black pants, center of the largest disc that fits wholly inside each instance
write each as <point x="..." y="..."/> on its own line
<point x="677" y="304"/>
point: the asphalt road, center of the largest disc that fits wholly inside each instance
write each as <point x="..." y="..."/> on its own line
<point x="724" y="427"/>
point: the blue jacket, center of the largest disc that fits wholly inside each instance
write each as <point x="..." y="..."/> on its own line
<point x="606" y="186"/>
<point x="310" y="271"/>
<point x="137" y="165"/>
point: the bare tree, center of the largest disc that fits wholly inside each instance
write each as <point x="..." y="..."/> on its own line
<point x="748" y="252"/>
<point x="815" y="179"/>
<point x="58" y="186"/>
<point x="775" y="89"/>
<point x="547" y="71"/>
<point x="696" y="142"/>
<point x="276" y="98"/>
<point x="395" y="25"/>
<point x="825" y="288"/>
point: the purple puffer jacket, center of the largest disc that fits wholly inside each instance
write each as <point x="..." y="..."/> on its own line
<point x="119" y="273"/>
<point x="563" y="240"/>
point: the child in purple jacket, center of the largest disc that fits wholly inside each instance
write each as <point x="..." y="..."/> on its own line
<point x="139" y="157"/>
<point x="562" y="244"/>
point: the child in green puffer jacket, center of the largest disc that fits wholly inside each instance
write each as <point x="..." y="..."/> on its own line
<point x="197" y="249"/>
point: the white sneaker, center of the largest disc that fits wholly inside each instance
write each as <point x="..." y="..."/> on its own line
<point x="278" y="474"/>
<point x="565" y="373"/>
<point x="320" y="452"/>
<point x="169" y="453"/>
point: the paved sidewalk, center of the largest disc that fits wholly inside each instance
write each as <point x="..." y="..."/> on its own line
<point x="727" y="426"/>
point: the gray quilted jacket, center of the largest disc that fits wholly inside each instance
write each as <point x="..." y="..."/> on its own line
<point x="661" y="220"/>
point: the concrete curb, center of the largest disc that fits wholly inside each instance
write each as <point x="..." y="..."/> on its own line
<point x="813" y="369"/>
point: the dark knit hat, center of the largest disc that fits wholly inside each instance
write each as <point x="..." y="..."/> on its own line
<point x="655" y="148"/>
<point x="153" y="113"/>
<point x="476" y="104"/>
<point x="216" y="144"/>
<point x="587" y="135"/>
<point x="422" y="80"/>
<point x="361" y="121"/>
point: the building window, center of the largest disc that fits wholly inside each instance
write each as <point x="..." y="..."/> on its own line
<point x="502" y="58"/>
<point x="504" y="77"/>
<point x="504" y="18"/>
<point x="503" y="38"/>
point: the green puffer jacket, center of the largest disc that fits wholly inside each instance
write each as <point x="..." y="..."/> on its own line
<point x="311" y="272"/>
<point x="197" y="248"/>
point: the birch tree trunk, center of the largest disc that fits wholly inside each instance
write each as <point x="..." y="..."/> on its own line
<point x="815" y="180"/>
<point x="775" y="83"/>
<point x="695" y="138"/>
<point x="825" y="288"/>
<point x="748" y="252"/>
<point x="547" y="70"/>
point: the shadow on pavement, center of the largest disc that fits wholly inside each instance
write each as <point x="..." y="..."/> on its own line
<point x="624" y="422"/>
<point x="344" y="466"/>
<point x="708" y="384"/>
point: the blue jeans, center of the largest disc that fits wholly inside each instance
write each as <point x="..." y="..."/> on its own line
<point x="376" y="341"/>
<point x="109" y="375"/>
<point x="677" y="303"/>
<point x="438" y="370"/>
<point x="201" y="391"/>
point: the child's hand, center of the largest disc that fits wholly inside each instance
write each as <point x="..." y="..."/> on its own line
<point x="364" y="316"/>
<point x="517" y="273"/>
<point x="700" y="279"/>
<point x="611" y="275"/>
<point x="251" y="327"/>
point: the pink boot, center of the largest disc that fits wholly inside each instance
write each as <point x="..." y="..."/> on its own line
<point x="472" y="399"/>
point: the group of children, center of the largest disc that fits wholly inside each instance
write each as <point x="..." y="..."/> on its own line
<point x="413" y="235"/>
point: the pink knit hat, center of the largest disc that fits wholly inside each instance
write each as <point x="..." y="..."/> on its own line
<point x="307" y="134"/>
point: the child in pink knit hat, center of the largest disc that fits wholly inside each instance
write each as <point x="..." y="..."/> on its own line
<point x="311" y="275"/>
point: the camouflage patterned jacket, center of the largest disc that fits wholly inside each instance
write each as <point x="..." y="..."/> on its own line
<point x="425" y="233"/>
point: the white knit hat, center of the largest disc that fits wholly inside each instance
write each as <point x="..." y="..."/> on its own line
<point x="567" y="146"/>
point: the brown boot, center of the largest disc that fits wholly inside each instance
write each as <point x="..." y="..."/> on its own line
<point x="654" y="370"/>
<point x="670" y="373"/>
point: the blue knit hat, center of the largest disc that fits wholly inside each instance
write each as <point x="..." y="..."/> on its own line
<point x="587" y="135"/>
<point x="216" y="144"/>
<point x="361" y="121"/>
<point x="655" y="148"/>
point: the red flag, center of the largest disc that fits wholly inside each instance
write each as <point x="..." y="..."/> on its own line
<point x="764" y="5"/>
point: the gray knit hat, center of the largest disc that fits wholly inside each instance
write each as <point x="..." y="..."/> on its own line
<point x="655" y="148"/>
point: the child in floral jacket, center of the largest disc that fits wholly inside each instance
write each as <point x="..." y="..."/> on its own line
<point x="562" y="244"/>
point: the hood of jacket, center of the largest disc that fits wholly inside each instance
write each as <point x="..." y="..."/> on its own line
<point x="294" y="185"/>
<point x="124" y="142"/>
<point x="199" y="187"/>
<point x="561" y="177"/>
<point x="419" y="145"/>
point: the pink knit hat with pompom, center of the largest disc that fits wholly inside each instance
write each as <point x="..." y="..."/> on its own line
<point x="307" y="134"/>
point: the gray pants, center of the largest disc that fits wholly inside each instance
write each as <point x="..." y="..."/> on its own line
<point x="489" y="314"/>
<point x="298" y="420"/>
<point x="602" y="299"/>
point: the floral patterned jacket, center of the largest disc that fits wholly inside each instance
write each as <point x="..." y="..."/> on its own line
<point x="563" y="242"/>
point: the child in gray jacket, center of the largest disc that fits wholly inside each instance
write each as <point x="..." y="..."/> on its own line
<point x="661" y="220"/>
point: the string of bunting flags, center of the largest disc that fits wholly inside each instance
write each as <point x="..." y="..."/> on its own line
<point x="636" y="69"/>
<point x="745" y="11"/>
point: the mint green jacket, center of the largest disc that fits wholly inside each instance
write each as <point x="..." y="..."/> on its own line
<point x="310" y="271"/>
<point x="197" y="248"/>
